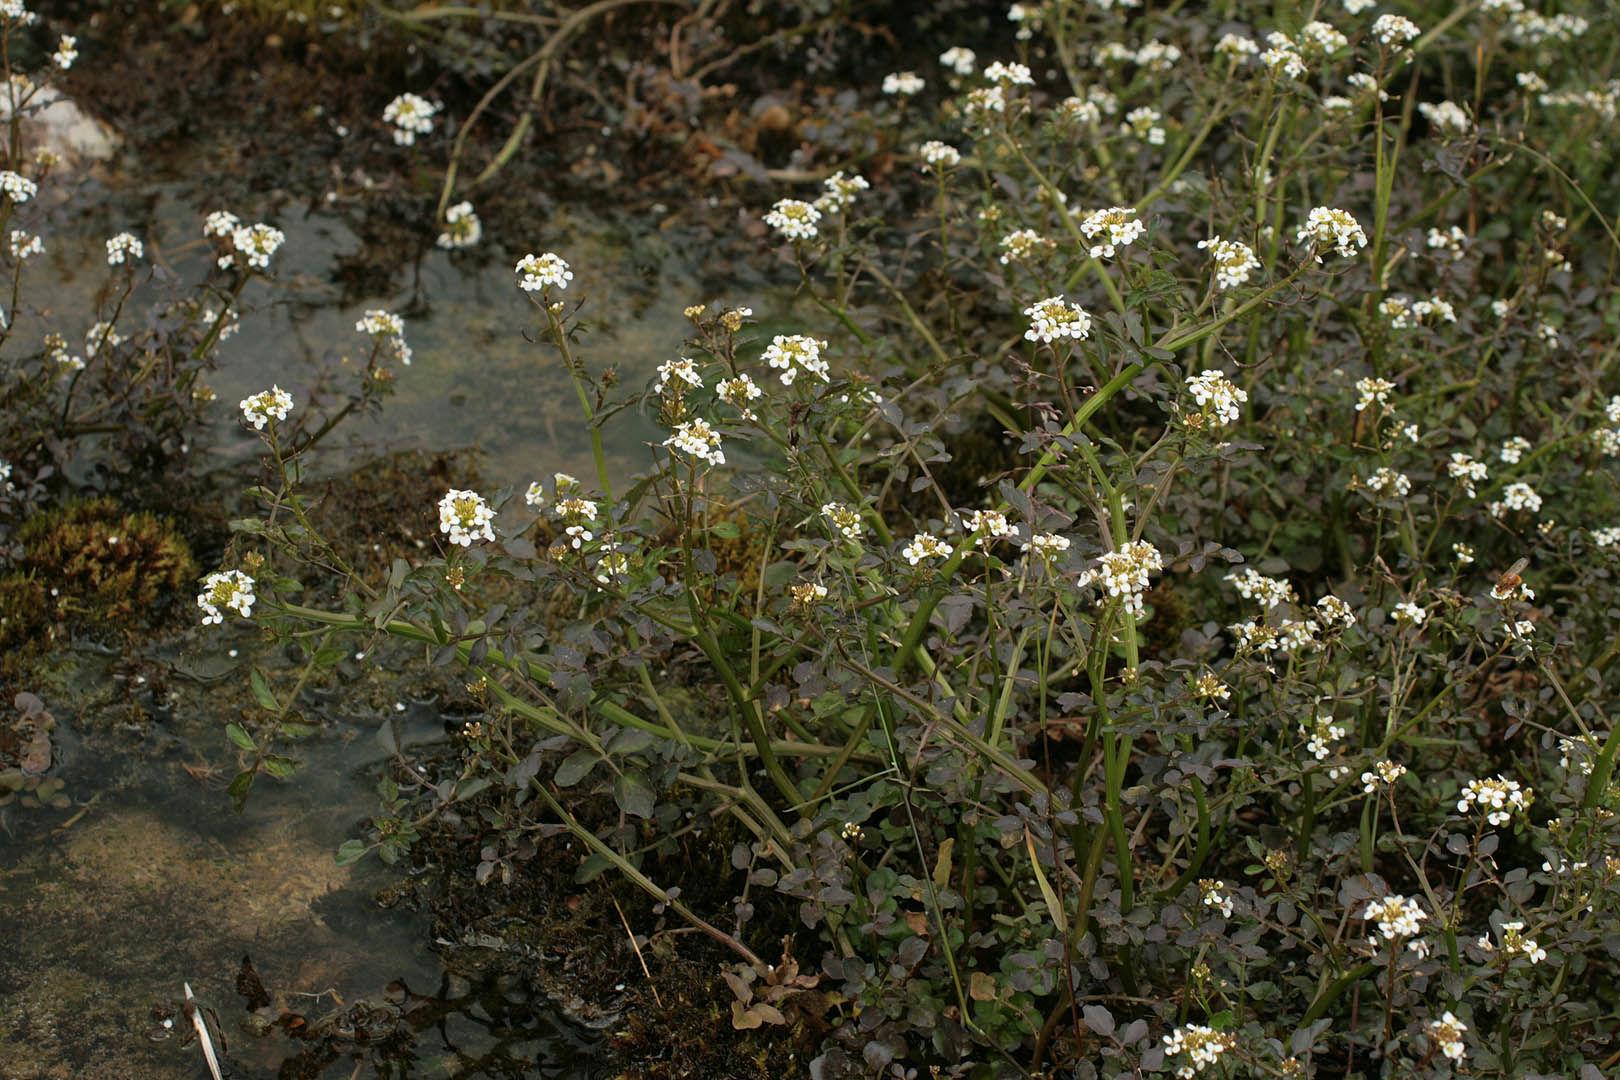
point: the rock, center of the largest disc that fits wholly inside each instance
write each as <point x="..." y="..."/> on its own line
<point x="53" y="121"/>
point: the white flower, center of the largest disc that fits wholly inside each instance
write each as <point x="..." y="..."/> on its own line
<point x="1234" y="261"/>
<point x="1047" y="546"/>
<point x="228" y="589"/>
<point x="1236" y="47"/>
<point x="1055" y="318"/>
<point x="1320" y="734"/>
<point x="843" y="518"/>
<point x="1327" y="226"/>
<point x="1384" y="773"/>
<point x="272" y="404"/>
<point x="1466" y="471"/>
<point x="1117" y="225"/>
<point x="1516" y="496"/>
<point x="67" y="51"/>
<point x="220" y="224"/>
<point x="1322" y="37"/>
<point x="1215" y="896"/>
<point x="681" y="368"/>
<point x="1498" y="798"/>
<point x="1447" y="117"/>
<point x="791" y="352"/>
<point x="1394" y="29"/>
<point x="539" y="272"/>
<point x="1143" y="123"/>
<point x="1335" y="612"/>
<point x="1447" y="1033"/>
<point x="840" y="191"/>
<point x="123" y="246"/>
<point x="903" y="83"/>
<point x="411" y="116"/>
<point x="738" y="393"/>
<point x="1386" y="481"/>
<point x="936" y="154"/>
<point x="1020" y="244"/>
<point x="1396" y="916"/>
<point x="25" y="245"/>
<point x="101" y="336"/>
<point x="1009" y="74"/>
<point x="1409" y="613"/>
<point x="1356" y="7"/>
<point x="697" y="438"/>
<point x="464" y="516"/>
<point x="980" y="103"/>
<point x="1513" y="449"/>
<point x="1282" y="57"/>
<point x="461" y="227"/>
<point x="1372" y="391"/>
<point x="388" y="330"/>
<point x="1202" y="1045"/>
<point x="993" y="524"/>
<point x="925" y="546"/>
<point x="257" y="243"/>
<point x="1217" y="396"/>
<point x="959" y="60"/>
<point x="795" y="219"/>
<point x="1124" y="573"/>
<point x="1268" y="591"/>
<point x="17" y="188"/>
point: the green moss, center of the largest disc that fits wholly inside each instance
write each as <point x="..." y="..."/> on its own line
<point x="90" y="565"/>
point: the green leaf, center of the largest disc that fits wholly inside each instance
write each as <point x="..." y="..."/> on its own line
<point x="471" y="787"/>
<point x="633" y="794"/>
<point x="725" y="530"/>
<point x="280" y="767"/>
<point x="589" y="867"/>
<point x="261" y="690"/>
<point x="238" y="791"/>
<point x="575" y="767"/>
<point x="350" y="852"/>
<point x="239" y="736"/>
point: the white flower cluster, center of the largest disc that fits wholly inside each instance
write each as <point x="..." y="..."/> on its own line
<point x="938" y="155"/>
<point x="1467" y="471"/>
<point x="1217" y="396"/>
<point x="1396" y="916"/>
<point x="1452" y="242"/>
<point x="1214" y="895"/>
<point x="1326" y="226"/>
<point x="843" y="518"/>
<point x="1409" y="614"/>
<point x="1514" y="943"/>
<point x="795" y="219"/>
<point x="411" y="116"/>
<point x="1202" y="1045"/>
<point x="67" y="51"/>
<point x="25" y="245"/>
<point x="792" y="353"/>
<point x="464" y="516"/>
<point x="1394" y="30"/>
<point x="265" y="406"/>
<point x="1447" y="117"/>
<point x="1282" y="57"/>
<point x="925" y="546"/>
<point x="993" y="524"/>
<point x="1013" y="74"/>
<point x="17" y="187"/>
<point x="1513" y="449"/>
<point x="1498" y="798"/>
<point x="681" y="369"/>
<point x="1253" y="585"/>
<point x="1143" y="123"/>
<point x="1124" y="573"/>
<point x="577" y="514"/>
<point x="1516" y="496"/>
<point x="1046" y="546"/>
<point x="124" y="246"/>
<point x="961" y="61"/>
<point x="17" y="11"/>
<point x="388" y="330"/>
<point x="840" y="191"/>
<point x="903" y="84"/>
<point x="1447" y="1033"/>
<point x="462" y="229"/>
<point x="738" y="393"/>
<point x="231" y="590"/>
<point x="1384" y="773"/>
<point x="1111" y="228"/>
<point x="1320" y="734"/>
<point x="1386" y="481"/>
<point x="1234" y="261"/>
<point x="1055" y="318"/>
<point x="1403" y="313"/>
<point x="697" y="438"/>
<point x="1372" y="391"/>
<point x="1021" y="244"/>
<point x="540" y="272"/>
<point x="255" y="244"/>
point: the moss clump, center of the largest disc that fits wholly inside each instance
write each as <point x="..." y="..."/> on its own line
<point x="92" y="566"/>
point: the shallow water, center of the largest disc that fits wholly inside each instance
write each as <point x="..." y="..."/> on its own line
<point x="150" y="880"/>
